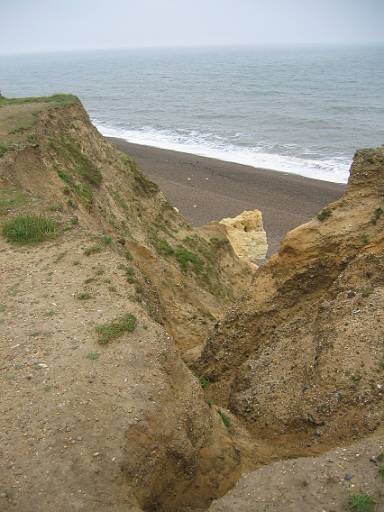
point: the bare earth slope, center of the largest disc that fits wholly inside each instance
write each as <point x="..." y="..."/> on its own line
<point x="121" y="425"/>
<point x="99" y="411"/>
<point x="301" y="354"/>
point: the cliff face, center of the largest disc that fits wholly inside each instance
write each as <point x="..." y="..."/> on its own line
<point x="301" y="354"/>
<point x="57" y="156"/>
<point x="99" y="413"/>
<point x="99" y="410"/>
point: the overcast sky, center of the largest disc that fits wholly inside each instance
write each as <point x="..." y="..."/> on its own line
<point x="48" y="25"/>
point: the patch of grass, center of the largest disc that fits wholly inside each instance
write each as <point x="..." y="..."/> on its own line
<point x="106" y="240"/>
<point x="218" y="243"/>
<point x="50" y="312"/>
<point x="356" y="378"/>
<point x="361" y="503"/>
<point x="130" y="271"/>
<point x="2" y="308"/>
<point x="381" y="364"/>
<point x="161" y="246"/>
<point x="32" y="139"/>
<point x="142" y="185"/>
<point x="380" y="457"/>
<point x="204" y="383"/>
<point x="186" y="258"/>
<point x="366" y="292"/>
<point x="128" y="256"/>
<point x="18" y="129"/>
<point x="71" y="153"/>
<point x="225" y="418"/>
<point x="377" y="213"/>
<point x="83" y="296"/>
<point x="11" y="197"/>
<point x="56" y="99"/>
<point x="381" y="471"/>
<point x="93" y="356"/>
<point x="56" y="207"/>
<point x="116" y="328"/>
<point x="74" y="221"/>
<point x="102" y="242"/>
<point x="324" y="214"/>
<point x="3" y="149"/>
<point x="93" y="249"/>
<point x="364" y="239"/>
<point x="29" y="229"/>
<point x="82" y="190"/>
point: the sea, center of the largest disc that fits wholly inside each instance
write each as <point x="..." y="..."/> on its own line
<point x="302" y="110"/>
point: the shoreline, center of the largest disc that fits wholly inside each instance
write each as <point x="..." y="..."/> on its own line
<point x="206" y="189"/>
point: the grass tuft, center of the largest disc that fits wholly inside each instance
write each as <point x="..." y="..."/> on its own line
<point x="204" y="382"/>
<point x="361" y="503"/>
<point x="186" y="258"/>
<point x="116" y="328"/>
<point x="324" y="214"/>
<point x="3" y="149"/>
<point x="377" y="213"/>
<point x="93" y="356"/>
<point x="225" y="418"/>
<point x="83" y="296"/>
<point x="29" y="229"/>
<point x="59" y="100"/>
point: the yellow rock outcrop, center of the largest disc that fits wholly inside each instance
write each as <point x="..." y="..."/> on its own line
<point x="246" y="235"/>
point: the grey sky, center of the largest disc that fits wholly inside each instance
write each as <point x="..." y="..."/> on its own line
<point x="47" y="25"/>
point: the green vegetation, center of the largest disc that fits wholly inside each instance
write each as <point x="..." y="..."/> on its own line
<point x="93" y="249"/>
<point x="71" y="153"/>
<point x="83" y="296"/>
<point x="20" y="129"/>
<point x="82" y="190"/>
<point x="218" y="243"/>
<point x="80" y="173"/>
<point x="56" y="207"/>
<point x="204" y="382"/>
<point x="366" y="292"/>
<point x="93" y="356"/>
<point x="364" y="239"/>
<point x="102" y="242"/>
<point x="32" y="139"/>
<point x="59" y="100"/>
<point x="381" y="471"/>
<point x="225" y="418"/>
<point x="361" y="503"/>
<point x="11" y="197"/>
<point x="116" y="328"/>
<point x="106" y="240"/>
<point x="3" y="149"/>
<point x="29" y="229"/>
<point x="324" y="214"/>
<point x="128" y="255"/>
<point x="161" y="246"/>
<point x="377" y="213"/>
<point x="185" y="257"/>
<point x="142" y="185"/>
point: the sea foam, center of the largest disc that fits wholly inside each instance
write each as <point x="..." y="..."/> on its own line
<point x="335" y="170"/>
